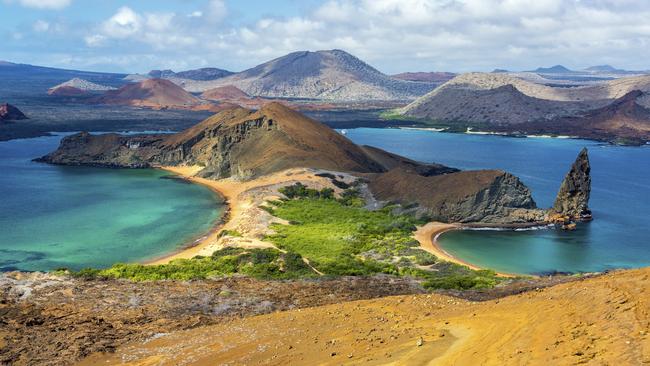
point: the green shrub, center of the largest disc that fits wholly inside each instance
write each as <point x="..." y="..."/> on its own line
<point x="258" y="263"/>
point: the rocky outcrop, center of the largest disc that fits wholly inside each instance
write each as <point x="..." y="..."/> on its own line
<point x="573" y="198"/>
<point x="483" y="196"/>
<point x="10" y="113"/>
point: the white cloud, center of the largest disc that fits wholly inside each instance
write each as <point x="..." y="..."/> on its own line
<point x="122" y="24"/>
<point x="396" y="35"/>
<point x="216" y="11"/>
<point x="41" y="26"/>
<point x="45" y="4"/>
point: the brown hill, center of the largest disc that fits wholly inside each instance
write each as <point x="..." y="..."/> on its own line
<point x="228" y="92"/>
<point x="151" y="93"/>
<point x="624" y="120"/>
<point x="237" y="143"/>
<point x="10" y="113"/>
<point x="487" y="196"/>
<point x="67" y="91"/>
<point x="502" y="105"/>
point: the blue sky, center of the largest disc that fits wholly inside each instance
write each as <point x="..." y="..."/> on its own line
<point x="392" y="35"/>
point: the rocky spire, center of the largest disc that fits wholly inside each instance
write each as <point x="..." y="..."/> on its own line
<point x="573" y="198"/>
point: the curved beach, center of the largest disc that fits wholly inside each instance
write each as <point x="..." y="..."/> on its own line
<point x="427" y="235"/>
<point x="242" y="209"/>
<point x="243" y="215"/>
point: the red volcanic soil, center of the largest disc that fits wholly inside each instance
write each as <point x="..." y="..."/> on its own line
<point x="228" y="92"/>
<point x="432" y="77"/>
<point x="9" y="113"/>
<point x="151" y="93"/>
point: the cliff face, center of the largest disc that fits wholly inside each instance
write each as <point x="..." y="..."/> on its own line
<point x="484" y="196"/>
<point x="573" y="198"/>
<point x="236" y="143"/>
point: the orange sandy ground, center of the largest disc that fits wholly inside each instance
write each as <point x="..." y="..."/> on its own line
<point x="600" y="321"/>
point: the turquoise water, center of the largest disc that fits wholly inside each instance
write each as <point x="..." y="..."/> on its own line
<point x="617" y="238"/>
<point x="75" y="217"/>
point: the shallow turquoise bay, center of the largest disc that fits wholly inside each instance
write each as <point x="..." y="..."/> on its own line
<point x="617" y="238"/>
<point x="76" y="217"/>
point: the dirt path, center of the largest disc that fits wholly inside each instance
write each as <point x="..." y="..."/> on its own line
<point x="602" y="320"/>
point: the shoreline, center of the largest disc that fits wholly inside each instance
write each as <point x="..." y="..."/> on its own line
<point x="241" y="213"/>
<point x="428" y="235"/>
<point x="194" y="246"/>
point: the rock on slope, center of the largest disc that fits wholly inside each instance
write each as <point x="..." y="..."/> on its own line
<point x="329" y="75"/>
<point x="10" y="113"/>
<point x="151" y="93"/>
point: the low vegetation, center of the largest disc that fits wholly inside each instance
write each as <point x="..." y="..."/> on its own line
<point x="448" y="126"/>
<point x="340" y="237"/>
<point x="257" y="263"/>
<point x="326" y="235"/>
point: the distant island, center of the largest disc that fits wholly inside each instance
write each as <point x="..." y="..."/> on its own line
<point x="615" y="111"/>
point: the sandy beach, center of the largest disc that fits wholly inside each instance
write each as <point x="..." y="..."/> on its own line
<point x="428" y="235"/>
<point x="243" y="215"/>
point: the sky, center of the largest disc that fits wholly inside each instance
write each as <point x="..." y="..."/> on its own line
<point x="392" y="35"/>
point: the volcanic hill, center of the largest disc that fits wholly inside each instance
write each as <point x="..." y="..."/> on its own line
<point x="150" y="93"/>
<point x="328" y="75"/>
<point x="77" y="86"/>
<point x="505" y="103"/>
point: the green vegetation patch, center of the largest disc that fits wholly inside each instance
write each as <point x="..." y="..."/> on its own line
<point x="257" y="263"/>
<point x="340" y="237"/>
<point x="336" y="235"/>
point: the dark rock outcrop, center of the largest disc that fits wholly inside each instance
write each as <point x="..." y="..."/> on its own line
<point x="485" y="196"/>
<point x="10" y="113"/>
<point x="573" y="198"/>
